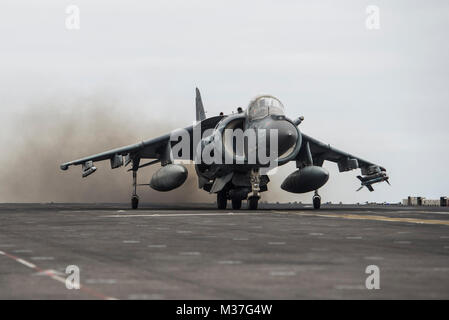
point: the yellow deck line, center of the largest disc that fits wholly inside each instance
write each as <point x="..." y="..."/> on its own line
<point x="370" y="217"/>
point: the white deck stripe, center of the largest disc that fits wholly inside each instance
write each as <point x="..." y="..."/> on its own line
<point x="26" y="263"/>
<point x="169" y="215"/>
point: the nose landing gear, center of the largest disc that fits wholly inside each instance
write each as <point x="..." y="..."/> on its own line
<point x="253" y="202"/>
<point x="253" y="199"/>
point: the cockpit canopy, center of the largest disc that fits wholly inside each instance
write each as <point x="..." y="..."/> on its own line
<point x="263" y="106"/>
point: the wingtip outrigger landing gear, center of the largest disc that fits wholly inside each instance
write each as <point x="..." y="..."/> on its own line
<point x="135" y="197"/>
<point x="316" y="200"/>
<point x="135" y="201"/>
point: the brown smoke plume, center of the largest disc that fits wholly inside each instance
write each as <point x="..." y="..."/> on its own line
<point x="48" y="134"/>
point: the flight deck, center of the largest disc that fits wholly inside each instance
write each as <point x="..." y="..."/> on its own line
<point x="199" y="252"/>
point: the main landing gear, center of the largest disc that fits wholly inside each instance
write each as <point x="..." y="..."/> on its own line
<point x="236" y="199"/>
<point x="316" y="200"/>
<point x="135" y="197"/>
<point x="222" y="199"/>
<point x="236" y="204"/>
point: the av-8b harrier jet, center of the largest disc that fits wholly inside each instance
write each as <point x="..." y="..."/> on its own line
<point x="233" y="155"/>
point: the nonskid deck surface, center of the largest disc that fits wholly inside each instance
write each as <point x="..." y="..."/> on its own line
<point x="198" y="252"/>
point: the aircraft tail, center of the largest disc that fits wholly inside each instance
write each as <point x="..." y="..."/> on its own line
<point x="200" y="114"/>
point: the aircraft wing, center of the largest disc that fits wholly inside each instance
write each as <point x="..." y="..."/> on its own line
<point x="156" y="148"/>
<point x="146" y="149"/>
<point x="320" y="151"/>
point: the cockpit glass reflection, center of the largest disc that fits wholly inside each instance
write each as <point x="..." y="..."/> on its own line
<point x="263" y="106"/>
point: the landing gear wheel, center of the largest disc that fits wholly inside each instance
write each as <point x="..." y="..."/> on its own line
<point x="252" y="203"/>
<point x="222" y="200"/>
<point x="135" y="197"/>
<point x="316" y="202"/>
<point x="236" y="204"/>
<point x="135" y="202"/>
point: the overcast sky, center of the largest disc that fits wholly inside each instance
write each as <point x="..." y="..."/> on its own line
<point x="379" y="94"/>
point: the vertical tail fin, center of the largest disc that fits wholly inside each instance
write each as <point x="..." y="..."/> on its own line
<point x="200" y="114"/>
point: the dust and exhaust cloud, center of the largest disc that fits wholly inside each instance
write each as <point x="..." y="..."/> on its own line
<point x="52" y="132"/>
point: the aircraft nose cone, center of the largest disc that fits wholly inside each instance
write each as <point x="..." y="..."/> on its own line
<point x="287" y="136"/>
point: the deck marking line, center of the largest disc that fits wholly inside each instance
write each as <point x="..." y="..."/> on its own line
<point x="54" y="276"/>
<point x="169" y="215"/>
<point x="370" y="217"/>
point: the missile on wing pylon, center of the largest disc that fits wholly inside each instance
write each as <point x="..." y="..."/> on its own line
<point x="88" y="168"/>
<point x="367" y="181"/>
